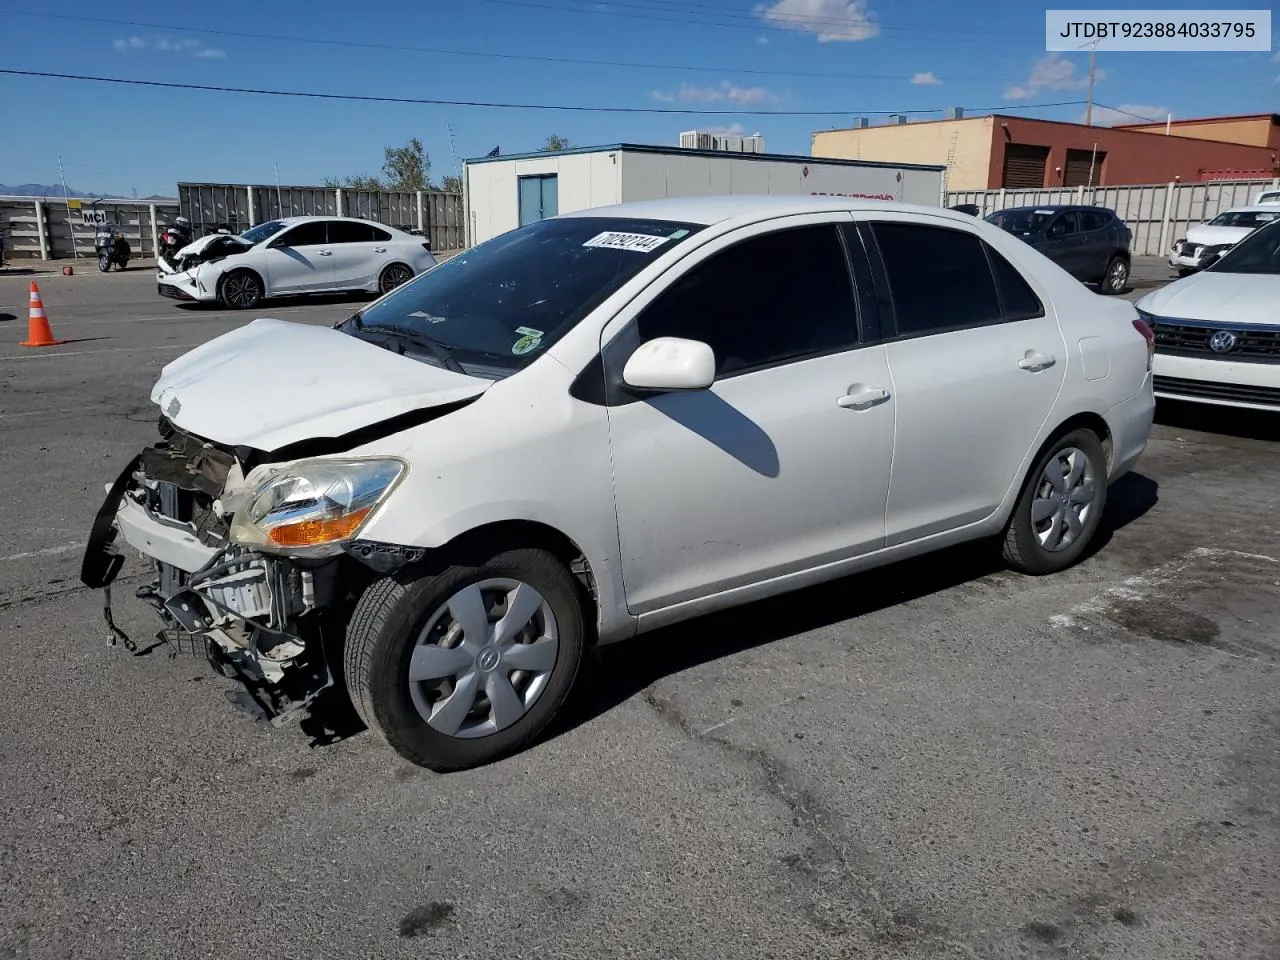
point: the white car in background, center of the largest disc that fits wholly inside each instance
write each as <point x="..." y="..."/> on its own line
<point x="1218" y="332"/>
<point x="1267" y="197"/>
<point x="605" y="422"/>
<point x="1207" y="241"/>
<point x="291" y="256"/>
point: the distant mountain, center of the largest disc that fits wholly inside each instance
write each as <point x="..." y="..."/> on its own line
<point x="43" y="190"/>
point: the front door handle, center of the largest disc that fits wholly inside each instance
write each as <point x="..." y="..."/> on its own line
<point x="863" y="398"/>
<point x="326" y="253"/>
<point x="379" y="249"/>
<point x="1036" y="362"/>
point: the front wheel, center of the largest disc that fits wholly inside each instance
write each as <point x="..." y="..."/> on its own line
<point x="241" y="290"/>
<point x="104" y="262"/>
<point x="1060" y="507"/>
<point x="1116" y="279"/>
<point x="462" y="667"/>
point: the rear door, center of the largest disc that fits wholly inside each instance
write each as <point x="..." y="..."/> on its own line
<point x="359" y="253"/>
<point x="299" y="260"/>
<point x="977" y="362"/>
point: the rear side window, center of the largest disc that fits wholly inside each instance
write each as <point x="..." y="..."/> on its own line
<point x="939" y="278"/>
<point x="344" y="231"/>
<point x="1093" y="220"/>
<point x="781" y="296"/>
<point x="379" y="236"/>
<point x="1016" y="296"/>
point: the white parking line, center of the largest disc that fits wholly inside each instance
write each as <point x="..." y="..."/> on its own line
<point x="46" y="552"/>
<point x="84" y="353"/>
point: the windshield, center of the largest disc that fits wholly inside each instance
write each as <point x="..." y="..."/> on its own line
<point x="1259" y="252"/>
<point x="1024" y="220"/>
<point x="1244" y="218"/>
<point x="500" y="305"/>
<point x="262" y="231"/>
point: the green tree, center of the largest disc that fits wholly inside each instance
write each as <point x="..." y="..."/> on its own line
<point x="451" y="184"/>
<point x="407" y="167"/>
<point x="357" y="182"/>
<point x="555" y="142"/>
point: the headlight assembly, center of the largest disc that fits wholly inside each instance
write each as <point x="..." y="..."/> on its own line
<point x="311" y="507"/>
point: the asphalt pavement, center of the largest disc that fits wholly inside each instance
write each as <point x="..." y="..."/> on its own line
<point x="938" y="759"/>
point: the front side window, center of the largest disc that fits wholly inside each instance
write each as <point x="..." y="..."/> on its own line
<point x="1064" y="226"/>
<point x="310" y="234"/>
<point x="497" y="307"/>
<point x="781" y="296"/>
<point x="1021" y="220"/>
<point x="939" y="278"/>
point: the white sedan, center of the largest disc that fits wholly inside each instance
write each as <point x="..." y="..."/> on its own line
<point x="1206" y="242"/>
<point x="1218" y="332"/>
<point x="605" y="422"/>
<point x="291" y="256"/>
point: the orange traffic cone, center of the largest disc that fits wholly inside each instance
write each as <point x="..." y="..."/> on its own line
<point x="39" y="333"/>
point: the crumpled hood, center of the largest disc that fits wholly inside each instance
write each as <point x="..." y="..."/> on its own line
<point x="1212" y="236"/>
<point x="272" y="383"/>
<point x="197" y="246"/>
<point x="1241" y="298"/>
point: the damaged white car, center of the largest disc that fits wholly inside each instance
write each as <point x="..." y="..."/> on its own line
<point x="292" y="256"/>
<point x="606" y="422"/>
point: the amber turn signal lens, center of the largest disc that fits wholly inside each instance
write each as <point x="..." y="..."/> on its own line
<point x="310" y="533"/>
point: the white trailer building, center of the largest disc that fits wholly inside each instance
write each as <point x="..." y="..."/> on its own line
<point x="502" y="193"/>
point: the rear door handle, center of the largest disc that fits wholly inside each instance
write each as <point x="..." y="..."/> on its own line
<point x="379" y="249"/>
<point x="326" y="253"/>
<point x="1036" y="362"/>
<point x="863" y="398"/>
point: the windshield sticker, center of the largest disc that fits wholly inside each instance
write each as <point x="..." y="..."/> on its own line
<point x="638" y="242"/>
<point x="1044" y="211"/>
<point x="679" y="235"/>
<point x="423" y="315"/>
<point x="528" y="342"/>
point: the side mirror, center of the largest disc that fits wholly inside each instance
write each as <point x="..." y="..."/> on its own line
<point x="671" y="363"/>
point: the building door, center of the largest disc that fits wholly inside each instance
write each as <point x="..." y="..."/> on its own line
<point x="1082" y="168"/>
<point x="539" y="198"/>
<point x="1024" y="166"/>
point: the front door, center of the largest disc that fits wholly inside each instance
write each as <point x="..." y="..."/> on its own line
<point x="977" y="361"/>
<point x="300" y="260"/>
<point x="783" y="464"/>
<point x="539" y="198"/>
<point x="1064" y="244"/>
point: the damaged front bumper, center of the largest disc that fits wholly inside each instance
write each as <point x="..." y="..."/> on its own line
<point x="256" y="617"/>
<point x="184" y="285"/>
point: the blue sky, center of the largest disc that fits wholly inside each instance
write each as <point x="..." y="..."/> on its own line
<point x="911" y="55"/>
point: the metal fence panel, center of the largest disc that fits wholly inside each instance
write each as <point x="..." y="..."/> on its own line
<point x="69" y="229"/>
<point x="1141" y="206"/>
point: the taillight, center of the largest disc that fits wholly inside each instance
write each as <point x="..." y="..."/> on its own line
<point x="1149" y="335"/>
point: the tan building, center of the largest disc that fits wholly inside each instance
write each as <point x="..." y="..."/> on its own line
<point x="987" y="153"/>
<point x="1255" y="129"/>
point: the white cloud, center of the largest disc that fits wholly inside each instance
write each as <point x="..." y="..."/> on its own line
<point x="165" y="45"/>
<point x="762" y="40"/>
<point x="926" y="79"/>
<point x="663" y="96"/>
<point x="1128" y="113"/>
<point x="831" y="20"/>
<point x="726" y="91"/>
<point x="1051" y="72"/>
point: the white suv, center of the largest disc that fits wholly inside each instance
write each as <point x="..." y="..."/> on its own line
<point x="610" y="421"/>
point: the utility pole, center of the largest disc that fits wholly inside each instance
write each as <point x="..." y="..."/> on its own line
<point x="1093" y="59"/>
<point x="66" y="198"/>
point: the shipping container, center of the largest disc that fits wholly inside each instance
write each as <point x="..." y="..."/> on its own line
<point x="502" y="193"/>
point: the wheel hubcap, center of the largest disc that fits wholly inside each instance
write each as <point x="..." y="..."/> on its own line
<point x="484" y="658"/>
<point x="240" y="290"/>
<point x="1118" y="275"/>
<point x="1064" y="499"/>
<point x="395" y="277"/>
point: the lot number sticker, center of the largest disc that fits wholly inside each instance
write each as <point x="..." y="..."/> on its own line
<point x="638" y="242"/>
<point x="528" y="342"/>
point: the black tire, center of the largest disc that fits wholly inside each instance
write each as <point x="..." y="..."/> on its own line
<point x="1186" y="271"/>
<point x="1116" y="278"/>
<point x="240" y="290"/>
<point x="383" y="632"/>
<point x="104" y="262"/>
<point x="393" y="275"/>
<point x="1022" y="548"/>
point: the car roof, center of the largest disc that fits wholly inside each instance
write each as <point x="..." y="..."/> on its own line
<point x="290" y="221"/>
<point x="1056" y="207"/>
<point x="710" y="210"/>
<point x="1251" y="208"/>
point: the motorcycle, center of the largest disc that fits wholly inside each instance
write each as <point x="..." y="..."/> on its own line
<point x="175" y="236"/>
<point x="111" y="247"/>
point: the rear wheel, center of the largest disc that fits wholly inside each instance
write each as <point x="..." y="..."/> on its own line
<point x="1060" y="507"/>
<point x="241" y="290"/>
<point x="393" y="276"/>
<point x="1116" y="279"/>
<point x="461" y="667"/>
